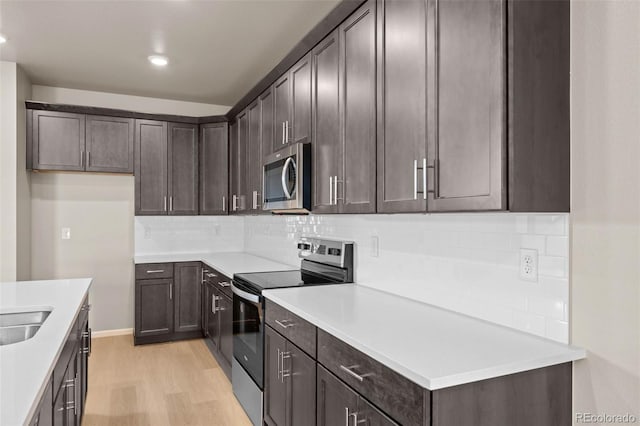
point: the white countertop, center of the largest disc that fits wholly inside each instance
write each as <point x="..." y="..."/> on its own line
<point x="433" y="347"/>
<point x="25" y="366"/>
<point x="228" y="263"/>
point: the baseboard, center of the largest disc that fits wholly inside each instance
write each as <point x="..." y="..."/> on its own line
<point x="107" y="333"/>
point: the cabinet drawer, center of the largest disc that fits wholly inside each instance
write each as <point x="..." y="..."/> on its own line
<point x="300" y="332"/>
<point x="397" y="396"/>
<point x="154" y="270"/>
<point x="217" y="279"/>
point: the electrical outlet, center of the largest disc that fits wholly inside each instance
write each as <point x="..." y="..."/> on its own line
<point x="66" y="233"/>
<point x="375" y="246"/>
<point x="529" y="264"/>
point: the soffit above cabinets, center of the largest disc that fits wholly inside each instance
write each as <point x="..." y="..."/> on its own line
<point x="217" y="50"/>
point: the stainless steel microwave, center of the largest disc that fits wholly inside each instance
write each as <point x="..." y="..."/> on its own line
<point x="287" y="180"/>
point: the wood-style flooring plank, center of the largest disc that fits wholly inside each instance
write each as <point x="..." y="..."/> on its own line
<point x="164" y="384"/>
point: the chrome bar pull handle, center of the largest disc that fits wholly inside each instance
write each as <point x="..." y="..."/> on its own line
<point x="165" y="204"/>
<point x="224" y="284"/>
<point x="224" y="204"/>
<point x="171" y="203"/>
<point x="330" y="190"/>
<point x="155" y="271"/>
<point x="285" y="373"/>
<point x="346" y="416"/>
<point x="282" y="324"/>
<point x="424" y="178"/>
<point x="349" y="370"/>
<point x="88" y="158"/>
<point x="415" y="179"/>
<point x="171" y="291"/>
<point x="81" y="158"/>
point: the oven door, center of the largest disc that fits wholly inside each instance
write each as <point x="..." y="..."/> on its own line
<point x="248" y="331"/>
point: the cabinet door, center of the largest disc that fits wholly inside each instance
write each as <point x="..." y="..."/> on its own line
<point x="371" y="416"/>
<point x="214" y="168"/>
<point x="151" y="167"/>
<point x="402" y="105"/>
<point x="234" y="167"/>
<point x="84" y="366"/>
<point x="275" y="396"/>
<point x="44" y="415"/>
<point x="301" y="370"/>
<point x="300" y="122"/>
<point x="282" y="106"/>
<point x="187" y="304"/>
<point x="327" y="148"/>
<point x="154" y="307"/>
<point x="225" y="310"/>
<point x="467" y="96"/>
<point x="335" y="400"/>
<point x="183" y="169"/>
<point x="109" y="144"/>
<point x="357" y="181"/>
<point x="213" y="322"/>
<point x="243" y="181"/>
<point x="267" y="124"/>
<point x="253" y="158"/>
<point x="60" y="407"/>
<point x="58" y="141"/>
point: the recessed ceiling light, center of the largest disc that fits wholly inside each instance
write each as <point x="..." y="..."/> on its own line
<point x="3" y="38"/>
<point x="159" y="61"/>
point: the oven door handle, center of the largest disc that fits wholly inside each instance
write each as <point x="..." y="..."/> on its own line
<point x="284" y="176"/>
<point x="245" y="295"/>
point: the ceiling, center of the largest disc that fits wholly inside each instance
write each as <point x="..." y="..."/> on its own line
<point x="218" y="50"/>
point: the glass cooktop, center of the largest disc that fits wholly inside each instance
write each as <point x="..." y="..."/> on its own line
<point x="280" y="279"/>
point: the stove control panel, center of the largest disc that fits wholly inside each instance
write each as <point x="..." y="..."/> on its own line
<point x="333" y="252"/>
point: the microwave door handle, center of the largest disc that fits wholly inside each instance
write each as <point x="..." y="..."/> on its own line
<point x="284" y="177"/>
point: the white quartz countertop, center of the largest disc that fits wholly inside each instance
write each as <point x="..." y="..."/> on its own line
<point x="25" y="366"/>
<point x="433" y="347"/>
<point x="228" y="263"/>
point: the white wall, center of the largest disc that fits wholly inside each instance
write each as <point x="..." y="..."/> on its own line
<point x="99" y="209"/>
<point x="14" y="181"/>
<point x="605" y="225"/>
<point x="62" y="95"/>
<point x="468" y="263"/>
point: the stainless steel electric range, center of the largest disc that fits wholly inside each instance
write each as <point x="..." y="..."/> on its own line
<point x="323" y="262"/>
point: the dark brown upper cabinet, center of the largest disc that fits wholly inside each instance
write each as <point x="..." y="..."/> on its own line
<point x="78" y="142"/>
<point x="151" y="175"/>
<point x="253" y="188"/>
<point x="166" y="172"/>
<point x="214" y="169"/>
<point x="401" y="105"/>
<point x="183" y="169"/>
<point x="292" y="105"/>
<point x="462" y="141"/>
<point x="344" y="116"/>
<point x="467" y="112"/>
<point x="109" y="144"/>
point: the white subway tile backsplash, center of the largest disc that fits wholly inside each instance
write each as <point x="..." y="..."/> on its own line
<point x="467" y="263"/>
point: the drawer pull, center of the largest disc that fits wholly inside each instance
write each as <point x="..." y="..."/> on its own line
<point x="211" y="275"/>
<point x="282" y="324"/>
<point x="353" y="374"/>
<point x="155" y="271"/>
<point x="224" y="284"/>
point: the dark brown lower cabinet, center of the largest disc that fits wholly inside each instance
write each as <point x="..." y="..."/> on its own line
<point x="338" y="404"/>
<point x="167" y="308"/>
<point x="63" y="402"/>
<point x="187" y="296"/>
<point x="290" y="383"/>
<point x="218" y="317"/>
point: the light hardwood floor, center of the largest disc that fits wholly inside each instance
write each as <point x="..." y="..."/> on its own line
<point x="177" y="383"/>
